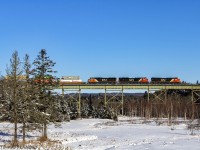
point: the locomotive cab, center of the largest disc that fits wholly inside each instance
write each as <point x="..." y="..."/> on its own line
<point x="143" y="80"/>
<point x="175" y="80"/>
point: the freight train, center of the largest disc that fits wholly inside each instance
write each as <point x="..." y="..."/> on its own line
<point x="66" y="80"/>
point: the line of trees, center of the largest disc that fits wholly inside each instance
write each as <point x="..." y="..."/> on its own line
<point x="25" y="101"/>
<point x="171" y="104"/>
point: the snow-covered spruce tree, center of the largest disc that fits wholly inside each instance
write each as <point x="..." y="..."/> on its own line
<point x="59" y="110"/>
<point x="45" y="82"/>
<point x="104" y="112"/>
<point x="85" y="111"/>
<point x="73" y="110"/>
<point x="87" y="108"/>
<point x="13" y="87"/>
<point x="5" y="100"/>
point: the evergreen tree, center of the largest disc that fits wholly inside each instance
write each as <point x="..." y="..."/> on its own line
<point x="27" y="92"/>
<point x="45" y="81"/>
<point x="59" y="110"/>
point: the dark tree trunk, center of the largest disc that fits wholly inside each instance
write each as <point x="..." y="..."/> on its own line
<point x="24" y="132"/>
<point x="45" y="130"/>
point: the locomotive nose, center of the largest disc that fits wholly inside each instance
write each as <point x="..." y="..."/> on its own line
<point x="178" y="80"/>
<point x="145" y="80"/>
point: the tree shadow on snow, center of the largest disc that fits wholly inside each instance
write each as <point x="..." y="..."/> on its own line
<point x="4" y="134"/>
<point x="7" y="134"/>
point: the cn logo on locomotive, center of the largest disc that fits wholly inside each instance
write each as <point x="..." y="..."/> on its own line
<point x="104" y="79"/>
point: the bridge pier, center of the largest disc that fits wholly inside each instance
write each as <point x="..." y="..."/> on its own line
<point x="122" y="102"/>
<point x="113" y="99"/>
<point x="195" y="96"/>
<point x="74" y="97"/>
<point x="79" y="103"/>
<point x="105" y="98"/>
<point x="162" y="96"/>
<point x="155" y="97"/>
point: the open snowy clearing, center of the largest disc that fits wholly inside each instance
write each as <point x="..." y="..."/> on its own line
<point x="127" y="133"/>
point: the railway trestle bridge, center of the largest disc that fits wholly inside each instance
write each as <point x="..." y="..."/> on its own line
<point x="74" y="91"/>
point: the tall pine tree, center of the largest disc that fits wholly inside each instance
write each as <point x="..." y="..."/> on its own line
<point x="28" y="96"/>
<point x="14" y="73"/>
<point x="45" y="82"/>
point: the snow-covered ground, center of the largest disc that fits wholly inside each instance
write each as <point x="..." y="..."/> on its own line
<point x="127" y="133"/>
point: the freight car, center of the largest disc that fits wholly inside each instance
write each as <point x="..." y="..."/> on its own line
<point x="100" y="80"/>
<point x="158" y="80"/>
<point x="127" y="80"/>
<point x="66" y="80"/>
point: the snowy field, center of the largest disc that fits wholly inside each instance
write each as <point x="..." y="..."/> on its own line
<point x="126" y="134"/>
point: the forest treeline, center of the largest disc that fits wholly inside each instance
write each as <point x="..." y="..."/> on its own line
<point x="171" y="104"/>
<point x="27" y="97"/>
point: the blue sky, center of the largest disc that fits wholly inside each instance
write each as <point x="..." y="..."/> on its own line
<point x="133" y="38"/>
